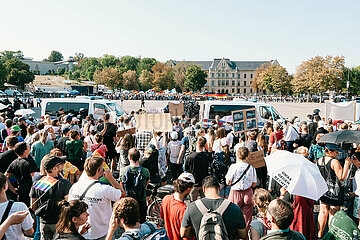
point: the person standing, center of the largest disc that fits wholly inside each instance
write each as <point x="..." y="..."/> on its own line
<point x="42" y="147"/>
<point x="241" y="177"/>
<point x="173" y="151"/>
<point x="173" y="206"/>
<point x="142" y="99"/>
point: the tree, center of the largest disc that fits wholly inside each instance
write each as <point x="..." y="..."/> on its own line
<point x="108" y="61"/>
<point x="55" y="56"/>
<point x="256" y="82"/>
<point x="8" y="55"/>
<point x="130" y="80"/>
<point x="353" y="75"/>
<point x="129" y="63"/>
<point x="145" y="64"/>
<point x="319" y="74"/>
<point x="18" y="73"/>
<point x="3" y="74"/>
<point x="110" y="77"/>
<point x="146" y="80"/>
<point x="195" y="78"/>
<point x="163" y="77"/>
<point x="180" y="75"/>
<point x="274" y="79"/>
<point x="86" y="68"/>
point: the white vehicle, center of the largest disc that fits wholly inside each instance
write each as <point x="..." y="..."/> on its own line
<point x="209" y="109"/>
<point x="97" y="106"/>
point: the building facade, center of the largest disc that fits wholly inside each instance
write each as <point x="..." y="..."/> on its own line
<point x="226" y="76"/>
<point x="43" y="68"/>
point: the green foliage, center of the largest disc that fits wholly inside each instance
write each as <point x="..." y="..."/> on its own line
<point x="110" y="77"/>
<point x="146" y="80"/>
<point x="180" y="75"/>
<point x="8" y="55"/>
<point x="145" y="64"/>
<point x="55" y="56"/>
<point x="130" y="80"/>
<point x="163" y="77"/>
<point x="195" y="78"/>
<point x="275" y="79"/>
<point x="108" y="61"/>
<point x="18" y="73"/>
<point x="353" y="75"/>
<point x="3" y="74"/>
<point x="129" y="63"/>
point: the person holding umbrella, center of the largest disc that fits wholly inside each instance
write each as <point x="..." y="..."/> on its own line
<point x="334" y="174"/>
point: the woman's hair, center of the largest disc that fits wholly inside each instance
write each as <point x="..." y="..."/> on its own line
<point x="30" y="130"/>
<point x="212" y="137"/>
<point x="56" y="152"/>
<point x="98" y="138"/>
<point x="329" y="129"/>
<point x="47" y="120"/>
<point x="220" y="133"/>
<point x="73" y="208"/>
<point x="262" y="200"/>
<point x="261" y="141"/>
<point x="43" y="136"/>
<point x="54" y="122"/>
<point x="127" y="142"/>
<point x="319" y="136"/>
<point x="243" y="153"/>
<point x="73" y="134"/>
<point x="8" y="123"/>
<point x="201" y="131"/>
<point x="302" y="150"/>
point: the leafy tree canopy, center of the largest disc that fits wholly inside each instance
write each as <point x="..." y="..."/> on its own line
<point x="195" y="78"/>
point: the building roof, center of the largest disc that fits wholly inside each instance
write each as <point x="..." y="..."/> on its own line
<point x="234" y="65"/>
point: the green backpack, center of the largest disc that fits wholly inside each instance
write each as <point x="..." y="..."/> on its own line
<point x="341" y="227"/>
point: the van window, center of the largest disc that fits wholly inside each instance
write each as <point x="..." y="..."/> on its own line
<point x="225" y="110"/>
<point x="99" y="110"/>
<point x="265" y="113"/>
<point x="52" y="108"/>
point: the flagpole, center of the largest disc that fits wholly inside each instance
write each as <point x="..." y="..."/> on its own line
<point x="41" y="196"/>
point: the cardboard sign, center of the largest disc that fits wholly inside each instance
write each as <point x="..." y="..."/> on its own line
<point x="176" y="109"/>
<point x="256" y="159"/>
<point x="244" y="120"/>
<point x="156" y="121"/>
<point x="122" y="133"/>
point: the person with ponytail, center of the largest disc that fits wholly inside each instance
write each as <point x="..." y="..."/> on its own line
<point x="73" y="215"/>
<point x="42" y="147"/>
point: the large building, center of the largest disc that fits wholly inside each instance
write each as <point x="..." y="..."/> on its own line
<point x="225" y="76"/>
<point x="43" y="68"/>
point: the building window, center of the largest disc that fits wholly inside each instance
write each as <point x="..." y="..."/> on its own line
<point x="233" y="83"/>
<point x="238" y="83"/>
<point x="227" y="75"/>
<point x="232" y="90"/>
<point x="233" y="75"/>
<point x="244" y="90"/>
<point x="245" y="75"/>
<point x="212" y="75"/>
<point x="244" y="83"/>
<point x="238" y="90"/>
<point x="218" y="74"/>
<point x="251" y="76"/>
<point x="212" y="83"/>
<point x="219" y="83"/>
<point x="250" y="90"/>
<point x="223" y="74"/>
<point x="223" y="82"/>
<point x="227" y="82"/>
<point x="238" y="75"/>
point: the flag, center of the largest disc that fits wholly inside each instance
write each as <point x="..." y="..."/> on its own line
<point x="45" y="183"/>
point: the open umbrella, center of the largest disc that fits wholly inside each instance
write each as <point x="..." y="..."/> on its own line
<point x="23" y="112"/>
<point x="343" y="136"/>
<point x="2" y="106"/>
<point x="296" y="174"/>
<point x="227" y="119"/>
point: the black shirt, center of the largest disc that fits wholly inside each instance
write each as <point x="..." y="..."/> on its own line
<point x="6" y="158"/>
<point x="57" y="193"/>
<point x="68" y="236"/>
<point x="61" y="144"/>
<point x="198" y="163"/>
<point x="23" y="131"/>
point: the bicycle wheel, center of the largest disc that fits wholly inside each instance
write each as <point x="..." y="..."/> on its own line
<point x="153" y="212"/>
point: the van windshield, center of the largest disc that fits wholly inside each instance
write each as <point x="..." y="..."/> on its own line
<point x="114" y="107"/>
<point x="225" y="110"/>
<point x="265" y="113"/>
<point x="52" y="108"/>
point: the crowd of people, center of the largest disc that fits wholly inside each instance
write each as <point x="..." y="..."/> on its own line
<point x="102" y="179"/>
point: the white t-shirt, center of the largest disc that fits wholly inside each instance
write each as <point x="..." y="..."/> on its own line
<point x="98" y="198"/>
<point x="15" y="232"/>
<point x="90" y="140"/>
<point x="173" y="148"/>
<point x="234" y="173"/>
<point x="216" y="146"/>
<point x="356" y="183"/>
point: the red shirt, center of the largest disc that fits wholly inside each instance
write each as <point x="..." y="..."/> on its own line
<point x="172" y="211"/>
<point x="279" y="136"/>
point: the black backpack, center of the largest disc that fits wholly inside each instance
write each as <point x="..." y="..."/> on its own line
<point x="219" y="168"/>
<point x="134" y="183"/>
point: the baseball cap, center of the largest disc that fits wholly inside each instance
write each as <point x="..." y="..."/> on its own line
<point x="51" y="161"/>
<point x="188" y="130"/>
<point x="15" y="128"/>
<point x="75" y="119"/>
<point x="187" y="177"/>
<point x="174" y="135"/>
<point x="333" y="147"/>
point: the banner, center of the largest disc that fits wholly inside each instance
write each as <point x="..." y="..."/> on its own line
<point x="176" y="109"/>
<point x="122" y="133"/>
<point x="156" y="121"/>
<point x="341" y="111"/>
<point x="256" y="159"/>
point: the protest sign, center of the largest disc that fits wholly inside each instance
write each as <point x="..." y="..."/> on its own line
<point x="341" y="111"/>
<point x="122" y="133"/>
<point x="256" y="159"/>
<point x="244" y="120"/>
<point x="156" y="121"/>
<point x="176" y="109"/>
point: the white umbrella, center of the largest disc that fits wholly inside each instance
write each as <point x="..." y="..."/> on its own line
<point x="2" y="106"/>
<point x="23" y="112"/>
<point x="297" y="174"/>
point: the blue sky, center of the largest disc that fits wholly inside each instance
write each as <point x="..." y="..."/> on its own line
<point x="289" y="31"/>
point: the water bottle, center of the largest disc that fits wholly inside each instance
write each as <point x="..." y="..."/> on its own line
<point x="356" y="235"/>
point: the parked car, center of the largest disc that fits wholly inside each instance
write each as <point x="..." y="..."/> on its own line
<point x="12" y="93"/>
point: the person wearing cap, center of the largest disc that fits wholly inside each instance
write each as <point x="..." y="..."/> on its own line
<point x="24" y="169"/>
<point x="173" y="151"/>
<point x="334" y="174"/>
<point x="173" y="206"/>
<point x="15" y="131"/>
<point x="60" y="191"/>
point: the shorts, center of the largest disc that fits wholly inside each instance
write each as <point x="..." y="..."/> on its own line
<point x="356" y="207"/>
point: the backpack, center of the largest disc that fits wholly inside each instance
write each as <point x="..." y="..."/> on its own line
<point x="134" y="183"/>
<point x="219" y="167"/>
<point x="192" y="145"/>
<point x="155" y="234"/>
<point x="212" y="226"/>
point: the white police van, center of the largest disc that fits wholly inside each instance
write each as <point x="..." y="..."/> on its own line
<point x="209" y="109"/>
<point x="97" y="106"/>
